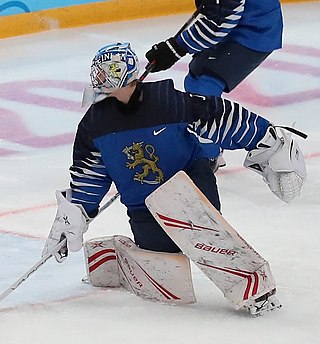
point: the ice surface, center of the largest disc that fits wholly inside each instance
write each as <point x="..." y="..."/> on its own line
<point x="42" y="77"/>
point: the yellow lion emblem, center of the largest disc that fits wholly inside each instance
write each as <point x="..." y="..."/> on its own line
<point x="144" y="156"/>
<point x="115" y="70"/>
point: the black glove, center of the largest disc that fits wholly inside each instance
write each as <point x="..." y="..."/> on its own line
<point x="165" y="54"/>
<point x="217" y="11"/>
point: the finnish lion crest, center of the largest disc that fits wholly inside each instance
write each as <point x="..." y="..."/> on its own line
<point x="144" y="157"/>
<point x="115" y="70"/>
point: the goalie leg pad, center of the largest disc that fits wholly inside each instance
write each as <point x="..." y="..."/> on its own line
<point x="251" y="286"/>
<point x="156" y="276"/>
<point x="116" y="261"/>
<point x="101" y="262"/>
<point x="210" y="241"/>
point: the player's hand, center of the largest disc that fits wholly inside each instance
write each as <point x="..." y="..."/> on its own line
<point x="165" y="54"/>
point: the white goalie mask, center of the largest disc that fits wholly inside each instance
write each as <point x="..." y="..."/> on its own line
<point x="114" y="66"/>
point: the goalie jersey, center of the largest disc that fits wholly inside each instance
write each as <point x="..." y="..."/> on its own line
<point x="142" y="148"/>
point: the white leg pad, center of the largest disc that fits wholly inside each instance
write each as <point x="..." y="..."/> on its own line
<point x="101" y="262"/>
<point x="157" y="276"/>
<point x="210" y="241"/>
<point x="251" y="285"/>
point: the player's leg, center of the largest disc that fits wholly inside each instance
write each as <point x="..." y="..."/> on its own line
<point x="221" y="68"/>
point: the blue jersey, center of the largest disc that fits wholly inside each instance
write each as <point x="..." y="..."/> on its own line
<point x="256" y="24"/>
<point x="140" y="150"/>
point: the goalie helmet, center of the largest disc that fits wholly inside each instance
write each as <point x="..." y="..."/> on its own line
<point x="114" y="66"/>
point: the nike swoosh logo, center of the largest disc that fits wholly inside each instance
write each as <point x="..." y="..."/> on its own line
<point x="157" y="132"/>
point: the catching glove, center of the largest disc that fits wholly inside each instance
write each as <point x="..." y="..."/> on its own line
<point x="71" y="222"/>
<point x="280" y="162"/>
<point x="165" y="54"/>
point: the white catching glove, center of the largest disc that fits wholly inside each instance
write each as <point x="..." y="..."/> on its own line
<point x="71" y="222"/>
<point x="280" y="162"/>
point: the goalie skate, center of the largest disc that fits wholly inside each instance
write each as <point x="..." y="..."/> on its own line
<point x="263" y="304"/>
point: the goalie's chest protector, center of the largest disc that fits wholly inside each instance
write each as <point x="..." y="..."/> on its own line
<point x="143" y="149"/>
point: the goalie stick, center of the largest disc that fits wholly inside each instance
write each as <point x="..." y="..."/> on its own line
<point x="41" y="262"/>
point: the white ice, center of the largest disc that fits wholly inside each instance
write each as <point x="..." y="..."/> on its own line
<point x="42" y="77"/>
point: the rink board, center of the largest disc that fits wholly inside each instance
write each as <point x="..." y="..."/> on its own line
<point x="90" y="13"/>
<point x="87" y="14"/>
